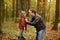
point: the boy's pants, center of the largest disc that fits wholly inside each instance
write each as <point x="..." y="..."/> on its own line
<point x="20" y="36"/>
<point x="40" y="34"/>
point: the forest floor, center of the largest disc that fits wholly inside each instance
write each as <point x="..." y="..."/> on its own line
<point x="10" y="32"/>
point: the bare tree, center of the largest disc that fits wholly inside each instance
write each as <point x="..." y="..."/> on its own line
<point x="55" y="27"/>
<point x="13" y="9"/>
<point x="28" y="7"/>
<point x="3" y="10"/>
<point x="6" y="12"/>
<point x="43" y="9"/>
<point x="17" y="8"/>
<point x="39" y="6"/>
<point x="1" y="14"/>
<point x="25" y="5"/>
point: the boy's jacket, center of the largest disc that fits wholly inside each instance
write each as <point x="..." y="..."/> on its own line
<point x="22" y="23"/>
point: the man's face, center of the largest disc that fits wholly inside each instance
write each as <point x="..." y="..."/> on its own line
<point x="30" y="13"/>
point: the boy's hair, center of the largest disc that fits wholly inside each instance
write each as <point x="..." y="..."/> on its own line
<point x="23" y="12"/>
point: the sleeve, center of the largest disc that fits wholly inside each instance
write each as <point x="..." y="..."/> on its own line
<point x="25" y="24"/>
<point x="34" y="22"/>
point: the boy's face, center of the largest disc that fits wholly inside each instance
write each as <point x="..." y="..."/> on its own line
<point x="22" y="13"/>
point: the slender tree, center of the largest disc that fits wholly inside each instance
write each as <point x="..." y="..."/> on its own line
<point x="28" y="7"/>
<point x="0" y="16"/>
<point x="16" y="11"/>
<point x="59" y="10"/>
<point x="3" y="11"/>
<point x="13" y="7"/>
<point x="6" y="12"/>
<point x="22" y="6"/>
<point x="55" y="26"/>
<point x="39" y="6"/>
<point x="49" y="12"/>
<point x="25" y="5"/>
<point x="43" y="9"/>
<point x="17" y="8"/>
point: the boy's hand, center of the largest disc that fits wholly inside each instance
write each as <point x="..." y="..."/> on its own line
<point x="25" y="29"/>
<point x="26" y="20"/>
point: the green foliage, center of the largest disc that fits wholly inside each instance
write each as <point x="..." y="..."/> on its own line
<point x="11" y="28"/>
<point x="30" y="31"/>
<point x="9" y="32"/>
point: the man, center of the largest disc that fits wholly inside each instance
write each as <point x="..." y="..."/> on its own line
<point x="38" y="23"/>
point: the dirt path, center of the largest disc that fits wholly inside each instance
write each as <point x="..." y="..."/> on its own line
<point x="8" y="37"/>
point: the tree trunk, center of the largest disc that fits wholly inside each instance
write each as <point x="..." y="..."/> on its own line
<point x="43" y="9"/>
<point x="59" y="11"/>
<point x="25" y="5"/>
<point x="22" y="4"/>
<point x="13" y="7"/>
<point x="16" y="11"/>
<point x="3" y="11"/>
<point x="55" y="27"/>
<point x="6" y="12"/>
<point x="49" y="12"/>
<point x="39" y="6"/>
<point x="1" y="14"/>
<point x="17" y="8"/>
<point x="28" y="7"/>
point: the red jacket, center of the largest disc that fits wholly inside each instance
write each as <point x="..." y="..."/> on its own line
<point x="20" y="23"/>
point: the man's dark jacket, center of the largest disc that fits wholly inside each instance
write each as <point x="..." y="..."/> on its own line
<point x="37" y="22"/>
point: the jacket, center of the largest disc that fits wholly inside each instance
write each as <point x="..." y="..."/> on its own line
<point x="22" y="23"/>
<point x="38" y="22"/>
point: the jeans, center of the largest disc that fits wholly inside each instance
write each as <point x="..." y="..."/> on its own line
<point x="40" y="34"/>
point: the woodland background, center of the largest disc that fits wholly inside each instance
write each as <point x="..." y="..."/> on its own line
<point x="10" y="12"/>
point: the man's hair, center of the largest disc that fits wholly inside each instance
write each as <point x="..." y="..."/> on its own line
<point x="33" y="11"/>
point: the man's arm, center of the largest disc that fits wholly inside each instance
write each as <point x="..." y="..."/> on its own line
<point x="34" y="22"/>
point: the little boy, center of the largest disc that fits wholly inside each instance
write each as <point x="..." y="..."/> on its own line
<point x="22" y="24"/>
